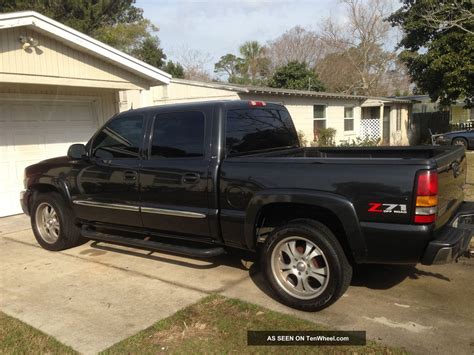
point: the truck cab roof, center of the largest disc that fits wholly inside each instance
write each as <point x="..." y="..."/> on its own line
<point x="203" y="105"/>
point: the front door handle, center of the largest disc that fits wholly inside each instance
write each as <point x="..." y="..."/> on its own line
<point x="190" y="178"/>
<point x="130" y="175"/>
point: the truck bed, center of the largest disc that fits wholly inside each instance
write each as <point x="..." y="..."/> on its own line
<point x="394" y="165"/>
<point x="397" y="153"/>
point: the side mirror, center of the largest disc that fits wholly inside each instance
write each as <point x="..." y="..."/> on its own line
<point x="76" y="151"/>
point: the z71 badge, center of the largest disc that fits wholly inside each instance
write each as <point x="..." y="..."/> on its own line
<point x="376" y="207"/>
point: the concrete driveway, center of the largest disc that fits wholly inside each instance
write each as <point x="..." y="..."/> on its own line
<point x="92" y="296"/>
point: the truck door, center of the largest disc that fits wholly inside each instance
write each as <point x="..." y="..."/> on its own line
<point x="175" y="176"/>
<point x="107" y="184"/>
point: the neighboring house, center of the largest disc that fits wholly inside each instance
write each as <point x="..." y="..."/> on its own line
<point x="57" y="86"/>
<point x="351" y="115"/>
<point x="457" y="113"/>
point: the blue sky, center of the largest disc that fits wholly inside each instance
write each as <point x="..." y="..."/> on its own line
<point x="219" y="27"/>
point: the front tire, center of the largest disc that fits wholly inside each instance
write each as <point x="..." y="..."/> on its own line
<point x="52" y="222"/>
<point x="460" y="141"/>
<point x="305" y="265"/>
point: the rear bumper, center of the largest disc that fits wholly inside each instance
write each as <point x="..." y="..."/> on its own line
<point x="24" y="198"/>
<point x="453" y="240"/>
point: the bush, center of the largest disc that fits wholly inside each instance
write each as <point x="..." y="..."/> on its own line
<point x="361" y="142"/>
<point x="324" y="137"/>
<point x="302" y="138"/>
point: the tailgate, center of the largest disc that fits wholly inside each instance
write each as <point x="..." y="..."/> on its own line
<point x="452" y="169"/>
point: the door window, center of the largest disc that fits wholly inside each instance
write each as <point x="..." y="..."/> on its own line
<point x="178" y="135"/>
<point x="120" y="138"/>
<point x="256" y="129"/>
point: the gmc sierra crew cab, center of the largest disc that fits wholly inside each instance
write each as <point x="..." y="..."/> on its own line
<point x="205" y="179"/>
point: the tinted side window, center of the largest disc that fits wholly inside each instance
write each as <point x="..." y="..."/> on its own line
<point x="178" y="135"/>
<point x="121" y="138"/>
<point x="258" y="129"/>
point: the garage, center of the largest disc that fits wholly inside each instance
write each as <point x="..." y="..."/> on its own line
<point x="36" y="128"/>
<point x="57" y="86"/>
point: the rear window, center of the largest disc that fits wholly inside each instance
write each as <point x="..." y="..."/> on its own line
<point x="256" y="129"/>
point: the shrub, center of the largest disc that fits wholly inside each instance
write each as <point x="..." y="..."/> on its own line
<point x="361" y="142"/>
<point x="324" y="137"/>
<point x="302" y="138"/>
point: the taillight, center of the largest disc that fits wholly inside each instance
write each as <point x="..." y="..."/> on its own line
<point x="257" y="103"/>
<point x="426" y="197"/>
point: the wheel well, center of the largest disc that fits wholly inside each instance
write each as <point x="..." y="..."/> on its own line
<point x="275" y="215"/>
<point x="40" y="188"/>
<point x="43" y="188"/>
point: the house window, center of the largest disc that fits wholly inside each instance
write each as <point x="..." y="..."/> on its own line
<point x="319" y="115"/>
<point x="348" y="118"/>
<point x="399" y="119"/>
<point x="319" y="111"/>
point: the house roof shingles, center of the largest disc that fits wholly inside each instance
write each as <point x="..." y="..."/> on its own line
<point x="283" y="92"/>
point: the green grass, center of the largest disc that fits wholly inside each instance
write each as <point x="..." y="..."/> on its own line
<point x="17" y="337"/>
<point x="219" y="325"/>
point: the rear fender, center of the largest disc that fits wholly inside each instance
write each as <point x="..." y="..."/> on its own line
<point x="338" y="205"/>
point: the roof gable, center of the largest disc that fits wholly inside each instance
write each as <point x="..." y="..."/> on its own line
<point x="85" y="43"/>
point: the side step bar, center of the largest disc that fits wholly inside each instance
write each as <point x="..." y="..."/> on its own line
<point x="151" y="245"/>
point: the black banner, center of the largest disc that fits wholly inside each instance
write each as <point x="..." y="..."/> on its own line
<point x="318" y="338"/>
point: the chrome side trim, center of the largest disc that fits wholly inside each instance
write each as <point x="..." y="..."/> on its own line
<point x="175" y="213"/>
<point x="117" y="206"/>
<point x="113" y="206"/>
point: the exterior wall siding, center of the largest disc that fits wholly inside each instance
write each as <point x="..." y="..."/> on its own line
<point x="54" y="63"/>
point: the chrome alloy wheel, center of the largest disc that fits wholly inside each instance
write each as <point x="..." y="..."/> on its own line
<point x="47" y="223"/>
<point x="300" y="267"/>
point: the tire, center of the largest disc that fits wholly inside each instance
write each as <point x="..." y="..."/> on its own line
<point x="52" y="222"/>
<point x="312" y="283"/>
<point x="460" y="141"/>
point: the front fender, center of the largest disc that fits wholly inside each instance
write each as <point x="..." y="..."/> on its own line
<point x="48" y="183"/>
<point x="337" y="204"/>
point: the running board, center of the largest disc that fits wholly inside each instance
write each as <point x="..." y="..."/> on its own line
<point x="151" y="245"/>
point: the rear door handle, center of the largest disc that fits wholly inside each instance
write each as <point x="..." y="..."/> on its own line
<point x="130" y="175"/>
<point x="190" y="178"/>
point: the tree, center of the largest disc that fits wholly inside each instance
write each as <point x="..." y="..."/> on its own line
<point x="297" y="44"/>
<point x="252" y="67"/>
<point x="296" y="75"/>
<point x="438" y="47"/>
<point x="195" y="64"/>
<point x="175" y="69"/>
<point x="229" y="65"/>
<point x="254" y="61"/>
<point x="361" y="41"/>
<point x="337" y="73"/>
<point x="85" y="16"/>
<point x="117" y="23"/>
<point x="446" y="15"/>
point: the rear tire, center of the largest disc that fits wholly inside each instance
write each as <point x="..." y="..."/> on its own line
<point x="305" y="265"/>
<point x="52" y="222"/>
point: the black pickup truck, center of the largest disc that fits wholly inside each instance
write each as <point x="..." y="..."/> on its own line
<point x="204" y="179"/>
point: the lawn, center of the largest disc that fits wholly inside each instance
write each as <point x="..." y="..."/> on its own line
<point x="17" y="337"/>
<point x="219" y="325"/>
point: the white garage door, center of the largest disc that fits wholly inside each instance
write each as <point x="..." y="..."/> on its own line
<point x="35" y="129"/>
